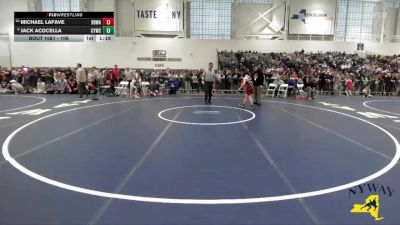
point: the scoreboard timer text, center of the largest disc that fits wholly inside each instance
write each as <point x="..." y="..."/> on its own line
<point x="63" y="26"/>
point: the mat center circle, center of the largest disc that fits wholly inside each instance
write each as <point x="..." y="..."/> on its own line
<point x="206" y="115"/>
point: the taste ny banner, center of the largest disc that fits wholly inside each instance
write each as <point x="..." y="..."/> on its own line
<point x="159" y="15"/>
<point x="312" y="17"/>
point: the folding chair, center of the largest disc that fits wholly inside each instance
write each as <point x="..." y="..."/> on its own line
<point x="282" y="91"/>
<point x="122" y="88"/>
<point x="271" y="90"/>
<point x="104" y="89"/>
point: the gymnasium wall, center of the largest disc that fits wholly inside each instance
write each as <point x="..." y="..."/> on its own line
<point x="194" y="53"/>
<point x="7" y="8"/>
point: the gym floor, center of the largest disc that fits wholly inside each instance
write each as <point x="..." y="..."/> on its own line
<point x="174" y="160"/>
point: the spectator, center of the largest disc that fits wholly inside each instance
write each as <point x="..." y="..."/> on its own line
<point x="133" y="89"/>
<point x="72" y="85"/>
<point x="154" y="88"/>
<point x="81" y="79"/>
<point x="68" y="72"/>
<point x="139" y="81"/>
<point x="61" y="84"/>
<point x="49" y="87"/>
<point x="31" y="79"/>
<point x="195" y="82"/>
<point x="337" y="84"/>
<point x="278" y="82"/>
<point x="292" y="85"/>
<point x="367" y="92"/>
<point x="92" y="82"/>
<point x="174" y="85"/>
<point x="116" y="72"/>
<point x="130" y="73"/>
<point x="309" y="87"/>
<point x="187" y="80"/>
<point x="40" y="87"/>
<point x="16" y="87"/>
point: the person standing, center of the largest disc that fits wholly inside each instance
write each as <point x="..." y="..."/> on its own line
<point x="249" y="91"/>
<point x="130" y="74"/>
<point x="258" y="82"/>
<point x="116" y="73"/>
<point x="337" y="84"/>
<point x="209" y="78"/>
<point x="195" y="81"/>
<point x="81" y="79"/>
<point x="349" y="86"/>
<point x="188" y="78"/>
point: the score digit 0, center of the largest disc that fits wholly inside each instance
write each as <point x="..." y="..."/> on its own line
<point x="108" y="30"/>
<point x="108" y="21"/>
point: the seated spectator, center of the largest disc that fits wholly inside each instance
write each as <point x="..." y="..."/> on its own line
<point x="61" y="85"/>
<point x="309" y="87"/>
<point x="133" y="89"/>
<point x="91" y="81"/>
<point x="16" y="87"/>
<point x="300" y="80"/>
<point x="57" y="76"/>
<point x="367" y="92"/>
<point x="40" y="87"/>
<point x="49" y="87"/>
<point x="292" y="85"/>
<point x="4" y="85"/>
<point x="68" y="72"/>
<point x="174" y="85"/>
<point x="72" y="85"/>
<point x="31" y="79"/>
<point x="154" y="88"/>
<point x="92" y="84"/>
<point x="111" y="80"/>
<point x="278" y="83"/>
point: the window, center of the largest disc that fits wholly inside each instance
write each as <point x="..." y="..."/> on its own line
<point x="256" y="1"/>
<point x="61" y="5"/>
<point x="210" y="19"/>
<point x="355" y="20"/>
<point x="341" y="21"/>
<point x="47" y="5"/>
<point x="395" y="5"/>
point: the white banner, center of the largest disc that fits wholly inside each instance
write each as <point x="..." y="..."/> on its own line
<point x="312" y="17"/>
<point x="159" y="15"/>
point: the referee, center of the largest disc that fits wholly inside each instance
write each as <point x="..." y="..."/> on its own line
<point x="209" y="78"/>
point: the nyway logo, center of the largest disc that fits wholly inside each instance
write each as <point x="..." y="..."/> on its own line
<point x="371" y="204"/>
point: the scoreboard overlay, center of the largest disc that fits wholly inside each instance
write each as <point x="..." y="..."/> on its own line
<point x="63" y="26"/>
